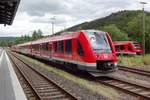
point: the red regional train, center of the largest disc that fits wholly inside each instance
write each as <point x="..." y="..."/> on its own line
<point x="89" y="50"/>
<point x="128" y="47"/>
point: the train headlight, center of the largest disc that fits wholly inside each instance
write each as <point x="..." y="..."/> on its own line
<point x="115" y="64"/>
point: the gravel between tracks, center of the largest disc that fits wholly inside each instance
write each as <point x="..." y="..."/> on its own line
<point x="144" y="67"/>
<point x="140" y="78"/>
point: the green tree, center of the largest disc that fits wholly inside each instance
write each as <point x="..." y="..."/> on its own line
<point x="40" y="33"/>
<point x="115" y="33"/>
<point x="135" y="32"/>
<point x="133" y="28"/>
<point x="37" y="35"/>
<point x="147" y="34"/>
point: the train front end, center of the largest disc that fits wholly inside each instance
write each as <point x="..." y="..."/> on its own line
<point x="103" y="51"/>
<point x="137" y="48"/>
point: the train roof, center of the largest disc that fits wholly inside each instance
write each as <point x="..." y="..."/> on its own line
<point x="23" y="44"/>
<point x="8" y="9"/>
<point x="62" y="36"/>
<point x="92" y="30"/>
<point x="122" y="42"/>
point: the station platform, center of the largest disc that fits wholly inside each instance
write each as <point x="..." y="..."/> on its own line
<point x="10" y="88"/>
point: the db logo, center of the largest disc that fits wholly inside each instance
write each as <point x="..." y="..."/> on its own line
<point x="105" y="56"/>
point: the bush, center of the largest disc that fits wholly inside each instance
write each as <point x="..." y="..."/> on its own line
<point x="146" y="59"/>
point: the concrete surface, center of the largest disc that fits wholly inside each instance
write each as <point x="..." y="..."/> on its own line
<point x="10" y="88"/>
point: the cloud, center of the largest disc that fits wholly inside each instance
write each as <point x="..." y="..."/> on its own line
<point x="75" y="8"/>
<point x="36" y="14"/>
<point x="41" y="7"/>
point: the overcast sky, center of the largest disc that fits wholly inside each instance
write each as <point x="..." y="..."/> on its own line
<point x="37" y="14"/>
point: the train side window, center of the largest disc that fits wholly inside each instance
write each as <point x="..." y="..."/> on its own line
<point x="61" y="46"/>
<point x="122" y="47"/>
<point x="129" y="48"/>
<point x="35" y="47"/>
<point x="68" y="47"/>
<point x="55" y="47"/>
<point x="45" y="46"/>
<point x="117" y="48"/>
<point x="50" y="47"/>
<point x="80" y="49"/>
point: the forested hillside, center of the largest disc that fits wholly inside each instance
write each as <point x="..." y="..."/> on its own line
<point x="7" y="38"/>
<point x="6" y="41"/>
<point x="123" y="25"/>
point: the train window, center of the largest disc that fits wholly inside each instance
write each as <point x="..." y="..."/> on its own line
<point x="80" y="49"/>
<point x="122" y="47"/>
<point x="61" y="46"/>
<point x="35" y="47"/>
<point x="136" y="44"/>
<point x="129" y="48"/>
<point x="50" y="47"/>
<point x="117" y="48"/>
<point x="55" y="47"/>
<point x="68" y="47"/>
<point x="45" y="46"/>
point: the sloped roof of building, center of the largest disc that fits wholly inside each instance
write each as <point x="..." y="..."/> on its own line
<point x="8" y="9"/>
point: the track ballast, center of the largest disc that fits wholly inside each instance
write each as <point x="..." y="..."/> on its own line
<point x="41" y="86"/>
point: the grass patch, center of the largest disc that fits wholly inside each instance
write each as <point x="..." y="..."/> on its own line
<point x="92" y="86"/>
<point x="146" y="59"/>
<point x="140" y="61"/>
<point x="130" y="61"/>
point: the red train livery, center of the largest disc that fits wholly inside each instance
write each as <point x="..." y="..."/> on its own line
<point x="128" y="47"/>
<point x="89" y="50"/>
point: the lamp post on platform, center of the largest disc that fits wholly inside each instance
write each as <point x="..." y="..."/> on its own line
<point x="52" y="22"/>
<point x="143" y="26"/>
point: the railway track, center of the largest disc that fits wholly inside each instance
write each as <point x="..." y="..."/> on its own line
<point x="135" y="70"/>
<point x="134" y="89"/>
<point x="41" y="86"/>
<point x="142" y="92"/>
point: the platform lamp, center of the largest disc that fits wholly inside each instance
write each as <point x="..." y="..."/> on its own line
<point x="52" y="22"/>
<point x="143" y="26"/>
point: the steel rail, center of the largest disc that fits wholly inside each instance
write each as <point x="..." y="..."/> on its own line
<point x="128" y="87"/>
<point x="40" y="75"/>
<point x="135" y="70"/>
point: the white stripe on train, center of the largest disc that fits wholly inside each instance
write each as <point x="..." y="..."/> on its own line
<point x="75" y="62"/>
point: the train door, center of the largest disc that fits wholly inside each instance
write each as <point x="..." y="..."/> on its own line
<point x="40" y="49"/>
<point x="50" y="50"/>
<point x="75" y="56"/>
<point x="69" y="48"/>
<point x="79" y="55"/>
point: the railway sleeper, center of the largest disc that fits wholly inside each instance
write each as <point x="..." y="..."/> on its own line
<point x="48" y="91"/>
<point x="55" y="97"/>
<point x="51" y="93"/>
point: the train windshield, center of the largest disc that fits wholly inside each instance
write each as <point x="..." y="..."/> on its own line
<point x="137" y="45"/>
<point x="99" y="42"/>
